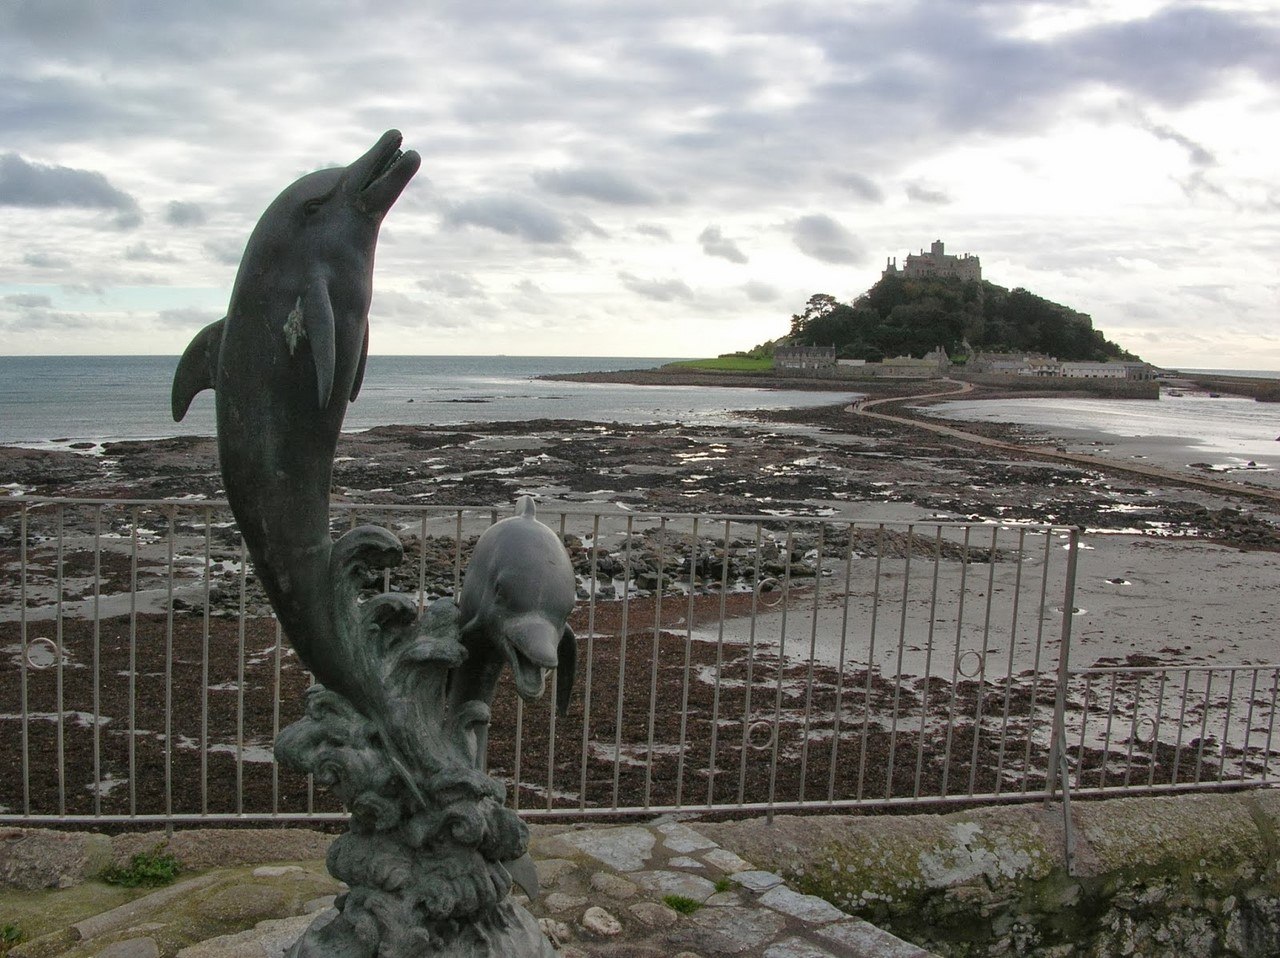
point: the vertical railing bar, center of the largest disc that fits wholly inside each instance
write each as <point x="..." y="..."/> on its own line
<point x="751" y="663"/>
<point x="591" y="639"/>
<point x="1106" y="739"/>
<point x="23" y="666"/>
<point x="1008" y="672"/>
<point x="1155" y="734"/>
<point x="457" y="555"/>
<point x="422" y="565"/>
<point x="653" y="666"/>
<point x="871" y="663"/>
<point x="1133" y="729"/>
<point x="844" y="642"/>
<point x="1204" y="723"/>
<point x="1248" y="725"/>
<point x="897" y="676"/>
<point x="168" y="667"/>
<point x="58" y="671"/>
<point x="1182" y="719"/>
<point x="782" y="665"/>
<point x="622" y="657"/>
<point x="133" y="665"/>
<point x="552" y="699"/>
<point x="1226" y="725"/>
<point x="1084" y="725"/>
<point x="715" y="695"/>
<point x="955" y="662"/>
<point x="97" y="659"/>
<point x="1058" y="738"/>
<point x="240" y="653"/>
<point x="275" y="716"/>
<point x="980" y="695"/>
<point x="1035" y="665"/>
<point x="928" y="660"/>
<point x="204" y="666"/>
<point x="688" y="660"/>
<point x="517" y="768"/>
<point x="1271" y="724"/>
<point x="813" y="652"/>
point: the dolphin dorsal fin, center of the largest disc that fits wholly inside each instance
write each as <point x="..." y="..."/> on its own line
<point x="197" y="369"/>
<point x="525" y="507"/>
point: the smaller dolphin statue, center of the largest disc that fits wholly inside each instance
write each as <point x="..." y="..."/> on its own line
<point x="515" y="603"/>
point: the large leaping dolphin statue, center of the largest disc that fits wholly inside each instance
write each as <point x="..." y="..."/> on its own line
<point x="284" y="362"/>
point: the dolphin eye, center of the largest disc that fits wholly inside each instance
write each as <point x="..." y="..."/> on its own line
<point x="310" y="206"/>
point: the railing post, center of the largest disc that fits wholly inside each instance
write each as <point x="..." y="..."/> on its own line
<point x="1058" y="767"/>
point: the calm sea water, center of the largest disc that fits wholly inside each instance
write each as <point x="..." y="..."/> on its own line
<point x="46" y="398"/>
<point x="1225" y="426"/>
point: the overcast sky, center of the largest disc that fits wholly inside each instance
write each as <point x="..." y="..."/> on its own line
<point x="650" y="177"/>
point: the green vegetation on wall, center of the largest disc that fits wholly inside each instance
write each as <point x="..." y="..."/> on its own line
<point x="909" y="316"/>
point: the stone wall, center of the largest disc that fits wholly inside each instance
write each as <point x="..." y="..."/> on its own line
<point x="1192" y="875"/>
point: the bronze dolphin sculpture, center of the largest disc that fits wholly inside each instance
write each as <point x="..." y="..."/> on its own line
<point x="284" y="362"/>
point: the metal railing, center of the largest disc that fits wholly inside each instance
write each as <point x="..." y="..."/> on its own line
<point x="753" y="663"/>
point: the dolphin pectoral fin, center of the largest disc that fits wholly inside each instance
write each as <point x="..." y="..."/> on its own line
<point x="197" y="369"/>
<point x="317" y="319"/>
<point x="566" y="665"/>
<point x="364" y="358"/>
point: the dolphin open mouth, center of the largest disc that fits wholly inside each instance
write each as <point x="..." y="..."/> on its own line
<point x="386" y="171"/>
<point x="530" y="677"/>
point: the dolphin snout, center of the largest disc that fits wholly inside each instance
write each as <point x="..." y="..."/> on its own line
<point x="532" y="640"/>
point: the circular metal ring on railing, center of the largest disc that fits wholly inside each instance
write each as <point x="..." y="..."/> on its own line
<point x="1145" y="738"/>
<point x="977" y="660"/>
<point x="769" y="588"/>
<point x="753" y="739"/>
<point x="45" y="658"/>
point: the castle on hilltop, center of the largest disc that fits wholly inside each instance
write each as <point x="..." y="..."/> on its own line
<point x="936" y="263"/>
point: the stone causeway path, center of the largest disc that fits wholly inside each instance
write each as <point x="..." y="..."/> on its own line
<point x="626" y="891"/>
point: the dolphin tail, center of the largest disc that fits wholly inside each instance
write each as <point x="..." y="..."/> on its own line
<point x="566" y="665"/>
<point x="197" y="369"/>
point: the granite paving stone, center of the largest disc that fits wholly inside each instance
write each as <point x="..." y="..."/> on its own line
<point x="796" y="948"/>
<point x="627" y="848"/>
<point x="757" y="881"/>
<point x="808" y="908"/>
<point x="676" y="883"/>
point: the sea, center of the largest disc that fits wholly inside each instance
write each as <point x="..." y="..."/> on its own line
<point x="57" y="399"/>
<point x="1222" y="428"/>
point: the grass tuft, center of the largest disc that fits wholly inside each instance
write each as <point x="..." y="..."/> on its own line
<point x="145" y="870"/>
<point x="686" y="906"/>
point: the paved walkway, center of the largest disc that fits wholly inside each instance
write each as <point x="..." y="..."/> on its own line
<point x="628" y="891"/>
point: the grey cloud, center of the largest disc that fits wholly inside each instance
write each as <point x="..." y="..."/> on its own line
<point x="822" y="238"/>
<point x="860" y="186"/>
<point x="44" y="260"/>
<point x="919" y="193"/>
<point x="28" y="301"/>
<point x="178" y="213"/>
<point x="225" y="251"/>
<point x="714" y="243"/>
<point x="596" y="183"/>
<point x="759" y="292"/>
<point x="662" y="290"/>
<point x="141" y="252"/>
<point x="23" y="183"/>
<point x="511" y="215"/>
<point x="188" y="318"/>
<point x="453" y="285"/>
<point x="652" y="229"/>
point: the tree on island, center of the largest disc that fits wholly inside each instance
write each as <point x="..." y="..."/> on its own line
<point x="911" y="316"/>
